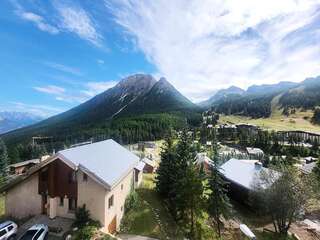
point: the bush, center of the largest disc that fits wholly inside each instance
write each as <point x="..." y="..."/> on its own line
<point x="82" y="217"/>
<point x="85" y="233"/>
<point x="131" y="201"/>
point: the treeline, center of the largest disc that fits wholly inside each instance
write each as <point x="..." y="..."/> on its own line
<point x="123" y="130"/>
<point x="307" y="96"/>
<point x="251" y="106"/>
<point x="316" y="116"/>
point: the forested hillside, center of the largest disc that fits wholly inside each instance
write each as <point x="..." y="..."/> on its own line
<point x="256" y="102"/>
<point x="137" y="108"/>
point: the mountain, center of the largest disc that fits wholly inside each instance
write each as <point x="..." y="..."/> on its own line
<point x="116" y="113"/>
<point x="13" y="120"/>
<point x="270" y="88"/>
<point x="221" y="94"/>
<point x="257" y="101"/>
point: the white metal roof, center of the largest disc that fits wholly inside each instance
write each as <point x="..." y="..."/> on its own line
<point x="242" y="172"/>
<point x="140" y="166"/>
<point x="107" y="160"/>
<point x="254" y="151"/>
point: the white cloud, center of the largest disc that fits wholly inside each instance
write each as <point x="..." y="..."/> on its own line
<point x="201" y="46"/>
<point x="78" y="21"/>
<point x="38" y="21"/>
<point x="51" y="89"/>
<point x="64" y="68"/>
<point x="94" y="88"/>
<point x="36" y="109"/>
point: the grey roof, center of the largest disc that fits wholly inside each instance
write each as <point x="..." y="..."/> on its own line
<point x="241" y="172"/>
<point x="140" y="166"/>
<point x="308" y="168"/>
<point x="34" y="161"/>
<point x="107" y="160"/>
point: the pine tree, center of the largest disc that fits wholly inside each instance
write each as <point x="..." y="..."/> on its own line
<point x="188" y="187"/>
<point x="218" y="201"/>
<point x="3" y="158"/>
<point x="165" y="173"/>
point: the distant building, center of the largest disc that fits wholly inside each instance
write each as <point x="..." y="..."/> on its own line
<point x="204" y="161"/>
<point x="248" y="128"/>
<point x="241" y="175"/>
<point x="227" y="131"/>
<point x="310" y="160"/>
<point x="308" y="167"/>
<point x="299" y="136"/>
<point x="149" y="165"/>
<point x="254" y="153"/>
<point x="22" y="167"/>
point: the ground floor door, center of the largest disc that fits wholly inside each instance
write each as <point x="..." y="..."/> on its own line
<point x="44" y="204"/>
<point x="112" y="228"/>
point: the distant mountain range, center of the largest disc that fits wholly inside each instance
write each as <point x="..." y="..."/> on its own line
<point x="256" y="101"/>
<point x="133" y="96"/>
<point x="13" y="120"/>
<point x="141" y="108"/>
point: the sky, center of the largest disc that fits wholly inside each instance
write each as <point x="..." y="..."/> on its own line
<point x="56" y="54"/>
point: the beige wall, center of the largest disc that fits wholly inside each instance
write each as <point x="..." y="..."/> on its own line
<point x="92" y="195"/>
<point x="24" y="200"/>
<point x="119" y="194"/>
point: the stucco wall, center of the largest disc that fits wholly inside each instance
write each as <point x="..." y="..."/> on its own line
<point x="120" y="194"/>
<point x="24" y="200"/>
<point x="92" y="195"/>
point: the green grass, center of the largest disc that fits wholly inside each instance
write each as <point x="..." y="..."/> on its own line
<point x="278" y="122"/>
<point x="150" y="217"/>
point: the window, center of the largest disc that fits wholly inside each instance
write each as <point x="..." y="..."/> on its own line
<point x="72" y="204"/>
<point x="85" y="177"/>
<point x="136" y="176"/>
<point x="121" y="208"/>
<point x="61" y="201"/>
<point x="38" y="234"/>
<point x="121" y="186"/>
<point x="110" y="201"/>
<point x="72" y="177"/>
<point x="10" y="228"/>
<point x="3" y="232"/>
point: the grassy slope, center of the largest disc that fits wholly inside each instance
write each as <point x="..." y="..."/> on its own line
<point x="150" y="218"/>
<point x="277" y="121"/>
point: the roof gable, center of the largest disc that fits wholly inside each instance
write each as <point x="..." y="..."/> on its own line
<point x="107" y="160"/>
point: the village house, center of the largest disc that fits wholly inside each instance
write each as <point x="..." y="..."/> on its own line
<point x="241" y="176"/>
<point x="98" y="175"/>
<point x="22" y="167"/>
<point x="254" y="153"/>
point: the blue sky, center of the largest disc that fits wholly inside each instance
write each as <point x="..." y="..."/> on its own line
<point x="56" y="54"/>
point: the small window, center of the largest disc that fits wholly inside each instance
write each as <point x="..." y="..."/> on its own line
<point x="10" y="228"/>
<point x="85" y="177"/>
<point x="110" y="202"/>
<point x="121" y="186"/>
<point x="72" y="204"/>
<point x="121" y="208"/>
<point x="3" y="232"/>
<point x="72" y="177"/>
<point x="61" y="201"/>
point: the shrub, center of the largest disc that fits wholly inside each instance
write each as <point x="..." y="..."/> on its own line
<point x="131" y="201"/>
<point x="82" y="217"/>
<point x="86" y="232"/>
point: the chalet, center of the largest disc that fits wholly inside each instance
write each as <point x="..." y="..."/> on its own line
<point x="204" y="161"/>
<point x="299" y="136"/>
<point x="22" y="167"/>
<point x="98" y="175"/>
<point x="149" y="165"/>
<point x="254" y="153"/>
<point x="241" y="176"/>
